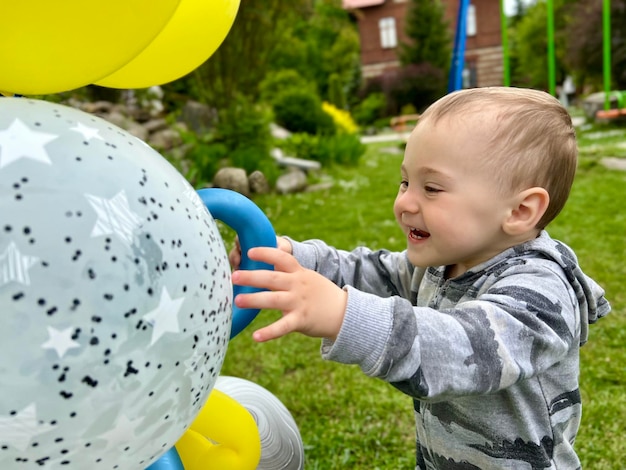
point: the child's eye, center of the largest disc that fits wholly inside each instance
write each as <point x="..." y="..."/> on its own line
<point x="431" y="189"/>
<point x="404" y="184"/>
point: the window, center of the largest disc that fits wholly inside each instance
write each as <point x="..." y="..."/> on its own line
<point x="388" y="37"/>
<point x="470" y="74"/>
<point x="471" y="20"/>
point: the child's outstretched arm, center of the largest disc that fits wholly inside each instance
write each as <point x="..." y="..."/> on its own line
<point x="310" y="303"/>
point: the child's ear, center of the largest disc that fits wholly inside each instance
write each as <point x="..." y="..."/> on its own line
<point x="527" y="210"/>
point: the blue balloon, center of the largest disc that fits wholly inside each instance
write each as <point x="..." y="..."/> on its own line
<point x="168" y="461"/>
<point x="253" y="228"/>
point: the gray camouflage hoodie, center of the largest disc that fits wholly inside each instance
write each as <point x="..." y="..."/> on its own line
<point x="491" y="358"/>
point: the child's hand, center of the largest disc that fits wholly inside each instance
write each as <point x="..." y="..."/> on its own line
<point x="311" y="304"/>
<point x="234" y="257"/>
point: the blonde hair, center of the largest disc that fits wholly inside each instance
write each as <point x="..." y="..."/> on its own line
<point x="532" y="141"/>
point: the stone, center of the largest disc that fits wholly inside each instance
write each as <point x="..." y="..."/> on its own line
<point x="292" y="182"/>
<point x="258" y="183"/>
<point x="234" y="179"/>
<point x="165" y="139"/>
<point x="199" y="117"/>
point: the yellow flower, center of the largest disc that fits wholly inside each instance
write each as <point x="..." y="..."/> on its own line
<point x="341" y="118"/>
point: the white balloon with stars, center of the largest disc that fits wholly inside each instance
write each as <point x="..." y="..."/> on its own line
<point x="115" y="293"/>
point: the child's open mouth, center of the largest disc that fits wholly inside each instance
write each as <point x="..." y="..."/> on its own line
<point x="418" y="234"/>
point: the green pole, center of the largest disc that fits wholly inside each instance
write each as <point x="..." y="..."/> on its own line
<point x="606" y="46"/>
<point x="505" y="46"/>
<point x="551" y="57"/>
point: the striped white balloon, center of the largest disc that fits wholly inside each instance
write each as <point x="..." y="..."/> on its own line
<point x="281" y="443"/>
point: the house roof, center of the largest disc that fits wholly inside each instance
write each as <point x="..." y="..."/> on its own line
<point x="350" y="4"/>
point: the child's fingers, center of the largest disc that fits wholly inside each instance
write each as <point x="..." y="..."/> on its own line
<point x="266" y="300"/>
<point x="261" y="279"/>
<point x="281" y="260"/>
<point x="279" y="328"/>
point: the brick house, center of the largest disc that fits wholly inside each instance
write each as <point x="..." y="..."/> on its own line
<point x="381" y="31"/>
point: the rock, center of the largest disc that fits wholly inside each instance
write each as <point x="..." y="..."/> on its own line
<point x="258" y="183"/>
<point x="137" y="130"/>
<point x="292" y="162"/>
<point x="232" y="178"/>
<point x="595" y="102"/>
<point x="279" y="132"/>
<point x="292" y="182"/>
<point x="614" y="163"/>
<point x="199" y="117"/>
<point x="155" y="125"/>
<point x="165" y="139"/>
<point x="97" y="107"/>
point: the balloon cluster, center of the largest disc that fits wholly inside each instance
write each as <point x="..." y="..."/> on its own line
<point x="255" y="431"/>
<point x="116" y="299"/>
<point x="47" y="47"/>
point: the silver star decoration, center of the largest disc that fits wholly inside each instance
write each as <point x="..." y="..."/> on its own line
<point x="192" y="363"/>
<point x="60" y="340"/>
<point x="195" y="199"/>
<point x="164" y="318"/>
<point x="19" y="141"/>
<point x="19" y="429"/>
<point x="114" y="217"/>
<point x="88" y="133"/>
<point x="122" y="433"/>
<point x="14" y="266"/>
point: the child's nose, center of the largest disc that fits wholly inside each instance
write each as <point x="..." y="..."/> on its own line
<point x="407" y="202"/>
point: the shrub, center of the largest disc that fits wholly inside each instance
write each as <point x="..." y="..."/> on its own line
<point x="244" y="129"/>
<point x="419" y="85"/>
<point x="244" y="124"/>
<point x="201" y="160"/>
<point x="370" y="109"/>
<point x="341" y="149"/>
<point x="277" y="82"/>
<point x="301" y="145"/>
<point x="300" y="110"/>
<point x="249" y="158"/>
<point x="335" y="91"/>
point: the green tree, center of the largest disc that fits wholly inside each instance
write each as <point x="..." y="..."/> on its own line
<point x="428" y="33"/>
<point x="321" y="44"/>
<point x="529" y="45"/>
<point x="242" y="60"/>
<point x="335" y="91"/>
<point x="584" y="43"/>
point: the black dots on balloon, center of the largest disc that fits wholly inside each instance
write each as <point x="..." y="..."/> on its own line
<point x="87" y="380"/>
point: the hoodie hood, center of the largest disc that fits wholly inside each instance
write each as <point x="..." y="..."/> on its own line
<point x="593" y="304"/>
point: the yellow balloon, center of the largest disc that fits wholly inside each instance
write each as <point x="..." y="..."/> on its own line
<point x="223" y="436"/>
<point x="49" y="46"/>
<point x="192" y="35"/>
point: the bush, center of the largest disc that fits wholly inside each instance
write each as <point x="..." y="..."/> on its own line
<point x="245" y="124"/>
<point x="335" y="91"/>
<point x="244" y="129"/>
<point x="341" y="149"/>
<point x="202" y="159"/>
<point x="419" y="85"/>
<point x="300" y="110"/>
<point x="370" y="109"/>
<point x="277" y="82"/>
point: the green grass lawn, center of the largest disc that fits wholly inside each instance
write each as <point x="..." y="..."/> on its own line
<point x="350" y="421"/>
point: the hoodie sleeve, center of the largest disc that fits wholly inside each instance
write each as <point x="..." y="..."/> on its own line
<point x="520" y="325"/>
<point x="382" y="272"/>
